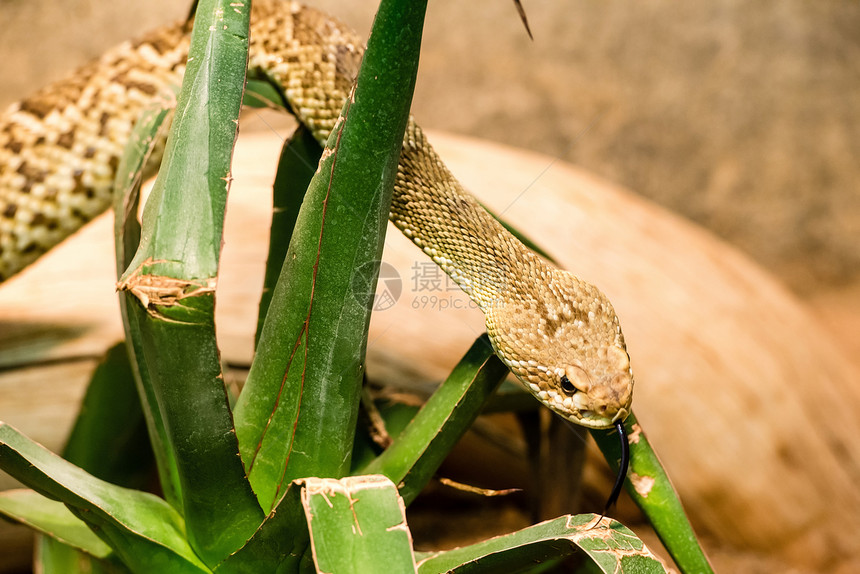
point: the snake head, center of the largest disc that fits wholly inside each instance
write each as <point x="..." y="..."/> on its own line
<point x="597" y="395"/>
<point x="564" y="343"/>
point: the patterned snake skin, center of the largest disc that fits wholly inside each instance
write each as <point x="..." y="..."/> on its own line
<point x="59" y="150"/>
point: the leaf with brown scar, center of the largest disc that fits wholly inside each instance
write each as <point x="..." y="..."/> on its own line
<point x="154" y="291"/>
<point x="642" y="483"/>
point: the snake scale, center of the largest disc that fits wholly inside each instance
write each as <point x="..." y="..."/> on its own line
<point x="59" y="150"/>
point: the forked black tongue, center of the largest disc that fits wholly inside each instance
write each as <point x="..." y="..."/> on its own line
<point x="622" y="467"/>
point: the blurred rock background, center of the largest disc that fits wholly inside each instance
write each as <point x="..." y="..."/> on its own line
<point x="743" y="117"/>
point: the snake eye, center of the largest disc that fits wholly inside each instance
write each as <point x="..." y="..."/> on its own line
<point x="567" y="386"/>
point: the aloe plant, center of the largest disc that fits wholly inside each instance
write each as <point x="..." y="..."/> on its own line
<point x="277" y="483"/>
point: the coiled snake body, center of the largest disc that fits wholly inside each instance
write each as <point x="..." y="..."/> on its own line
<point x="59" y="150"/>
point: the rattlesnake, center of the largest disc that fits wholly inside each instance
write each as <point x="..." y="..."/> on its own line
<point x="59" y="150"/>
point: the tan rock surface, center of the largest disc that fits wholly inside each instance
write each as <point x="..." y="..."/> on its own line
<point x="751" y="405"/>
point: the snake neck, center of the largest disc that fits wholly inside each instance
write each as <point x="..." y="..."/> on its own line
<point x="431" y="208"/>
<point x="429" y="205"/>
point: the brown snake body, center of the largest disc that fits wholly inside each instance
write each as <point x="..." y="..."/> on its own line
<point x="59" y="150"/>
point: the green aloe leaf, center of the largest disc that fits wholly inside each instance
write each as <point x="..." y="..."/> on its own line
<point x="279" y="545"/>
<point x="169" y="286"/>
<point x="612" y="547"/>
<point x="263" y="94"/>
<point x="417" y="452"/>
<point x="55" y="557"/>
<point x="109" y="441"/>
<point x="53" y="519"/>
<point x="650" y="488"/>
<point x="296" y="415"/>
<point x="300" y="156"/>
<point x="140" y="153"/>
<point x="144" y="530"/>
<point x="109" y="437"/>
<point x="184" y="216"/>
<point x="357" y="525"/>
<point x="141" y="156"/>
<point x="396" y="416"/>
<point x="511" y="397"/>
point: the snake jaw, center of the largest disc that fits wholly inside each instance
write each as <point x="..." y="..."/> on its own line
<point x="608" y="400"/>
<point x="577" y="407"/>
<point x="595" y="421"/>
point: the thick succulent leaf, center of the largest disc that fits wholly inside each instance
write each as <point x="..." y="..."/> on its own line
<point x="54" y="557"/>
<point x="300" y="156"/>
<point x="395" y="416"/>
<point x="184" y="216"/>
<point x="186" y="375"/>
<point x="417" y="452"/>
<point x="169" y="286"/>
<point x="109" y="441"/>
<point x="296" y="415"/>
<point x="140" y="158"/>
<point x="263" y="94"/>
<point x="511" y="397"/>
<point x="137" y="158"/>
<point x="357" y="524"/>
<point x="51" y="518"/>
<point x="612" y="547"/>
<point x="649" y="487"/>
<point x="109" y="437"/>
<point x="279" y="545"/>
<point x="144" y="530"/>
